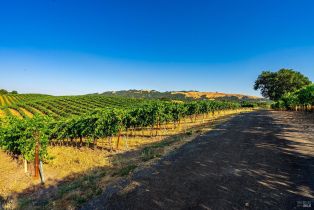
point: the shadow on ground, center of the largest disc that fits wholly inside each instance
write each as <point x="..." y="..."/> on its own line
<point x="260" y="160"/>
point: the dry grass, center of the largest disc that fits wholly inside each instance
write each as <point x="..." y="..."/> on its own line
<point x="27" y="113"/>
<point x="65" y="164"/>
<point x="68" y="160"/>
<point x="2" y="114"/>
<point x="2" y="103"/>
<point x="38" y="111"/>
<point x="16" y="113"/>
<point x="13" y="179"/>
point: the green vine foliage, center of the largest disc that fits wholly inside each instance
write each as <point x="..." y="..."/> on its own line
<point x="19" y="137"/>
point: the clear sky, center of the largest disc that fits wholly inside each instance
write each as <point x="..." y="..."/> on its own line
<point x="67" y="47"/>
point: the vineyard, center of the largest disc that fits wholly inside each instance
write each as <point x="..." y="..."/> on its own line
<point x="27" y="105"/>
<point x="74" y="121"/>
<point x="71" y="134"/>
<point x="140" y="105"/>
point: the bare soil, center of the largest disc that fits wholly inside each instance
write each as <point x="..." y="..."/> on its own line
<point x="257" y="160"/>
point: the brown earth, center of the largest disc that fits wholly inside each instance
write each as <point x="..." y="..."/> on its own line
<point x="258" y="160"/>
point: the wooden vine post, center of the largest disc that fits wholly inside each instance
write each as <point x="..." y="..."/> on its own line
<point x="36" y="159"/>
<point x="118" y="140"/>
<point x="25" y="166"/>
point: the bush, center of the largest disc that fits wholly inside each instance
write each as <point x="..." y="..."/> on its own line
<point x="247" y="104"/>
<point x="302" y="99"/>
<point x="306" y="95"/>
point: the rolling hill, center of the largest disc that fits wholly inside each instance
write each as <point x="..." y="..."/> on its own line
<point x="180" y="95"/>
<point x="27" y="105"/>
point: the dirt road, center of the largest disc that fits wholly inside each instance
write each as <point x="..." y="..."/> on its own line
<point x="259" y="160"/>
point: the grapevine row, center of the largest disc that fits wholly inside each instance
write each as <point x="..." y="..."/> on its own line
<point x="20" y="136"/>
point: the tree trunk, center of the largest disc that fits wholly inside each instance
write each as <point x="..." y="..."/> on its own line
<point x="95" y="143"/>
<point x="126" y="139"/>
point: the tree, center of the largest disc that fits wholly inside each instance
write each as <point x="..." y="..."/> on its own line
<point x="306" y="95"/>
<point x="3" y="92"/>
<point x="274" y="85"/>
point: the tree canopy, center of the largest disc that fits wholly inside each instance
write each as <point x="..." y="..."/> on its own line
<point x="274" y="85"/>
<point x="3" y="91"/>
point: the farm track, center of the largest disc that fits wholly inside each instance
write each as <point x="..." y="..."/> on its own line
<point x="258" y="160"/>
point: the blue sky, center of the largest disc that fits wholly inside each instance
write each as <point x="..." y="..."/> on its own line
<point x="77" y="47"/>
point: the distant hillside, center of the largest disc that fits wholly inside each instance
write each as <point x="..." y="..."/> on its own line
<point x="180" y="95"/>
<point x="148" y="94"/>
<point x="212" y="95"/>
